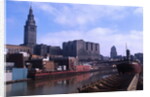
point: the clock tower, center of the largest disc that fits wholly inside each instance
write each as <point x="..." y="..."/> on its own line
<point x="30" y="30"/>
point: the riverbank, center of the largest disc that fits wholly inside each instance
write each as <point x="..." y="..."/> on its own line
<point x="21" y="80"/>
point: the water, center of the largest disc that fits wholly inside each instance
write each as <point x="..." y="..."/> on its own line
<point x="65" y="85"/>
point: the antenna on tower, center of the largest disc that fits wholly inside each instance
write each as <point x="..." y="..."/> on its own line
<point x="126" y="46"/>
<point x="30" y="4"/>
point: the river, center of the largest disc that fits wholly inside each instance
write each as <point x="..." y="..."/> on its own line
<point x="65" y="85"/>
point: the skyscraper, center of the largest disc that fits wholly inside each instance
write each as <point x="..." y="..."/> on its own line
<point x="30" y="30"/>
<point x="113" y="52"/>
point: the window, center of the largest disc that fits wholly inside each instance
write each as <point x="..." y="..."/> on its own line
<point x="91" y="46"/>
<point x="96" y="47"/>
<point x="86" y="46"/>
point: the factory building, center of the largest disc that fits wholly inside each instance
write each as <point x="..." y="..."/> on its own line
<point x="82" y="50"/>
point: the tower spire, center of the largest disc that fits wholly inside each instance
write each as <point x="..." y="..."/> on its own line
<point x="30" y="19"/>
<point x="30" y="4"/>
<point x="30" y="10"/>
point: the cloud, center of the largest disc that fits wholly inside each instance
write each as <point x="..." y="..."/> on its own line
<point x="138" y="11"/>
<point x="74" y="15"/>
<point x="80" y="15"/>
<point x="134" y="41"/>
<point x="45" y="7"/>
<point x="104" y="36"/>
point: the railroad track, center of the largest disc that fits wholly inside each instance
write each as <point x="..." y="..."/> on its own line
<point x="114" y="82"/>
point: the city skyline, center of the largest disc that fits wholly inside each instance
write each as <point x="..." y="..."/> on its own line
<point x="107" y="25"/>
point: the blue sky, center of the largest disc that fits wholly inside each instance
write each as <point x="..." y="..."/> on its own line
<point x="57" y="23"/>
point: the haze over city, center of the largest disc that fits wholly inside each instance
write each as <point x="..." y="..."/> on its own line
<point x="57" y="23"/>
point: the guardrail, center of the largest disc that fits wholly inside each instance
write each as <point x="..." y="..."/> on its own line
<point x="134" y="82"/>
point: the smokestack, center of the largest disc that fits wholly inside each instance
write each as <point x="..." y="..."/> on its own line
<point x="127" y="53"/>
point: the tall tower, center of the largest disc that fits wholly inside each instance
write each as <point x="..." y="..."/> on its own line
<point x="113" y="53"/>
<point x="30" y="30"/>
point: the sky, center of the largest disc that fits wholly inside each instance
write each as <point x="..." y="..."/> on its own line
<point x="61" y="22"/>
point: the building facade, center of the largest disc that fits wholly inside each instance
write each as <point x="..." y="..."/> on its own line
<point x="40" y="49"/>
<point x="139" y="56"/>
<point x="113" y="52"/>
<point x="54" y="50"/>
<point x="82" y="50"/>
<point x="43" y="50"/>
<point x="11" y="49"/>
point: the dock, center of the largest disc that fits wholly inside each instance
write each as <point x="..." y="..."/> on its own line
<point x="116" y="82"/>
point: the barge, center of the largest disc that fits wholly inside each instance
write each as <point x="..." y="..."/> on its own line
<point x="53" y="74"/>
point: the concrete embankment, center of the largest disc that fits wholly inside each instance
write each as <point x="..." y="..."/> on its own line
<point x="134" y="82"/>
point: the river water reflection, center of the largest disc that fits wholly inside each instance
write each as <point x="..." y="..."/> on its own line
<point x="68" y="84"/>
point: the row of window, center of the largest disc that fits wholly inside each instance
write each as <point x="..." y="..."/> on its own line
<point x="91" y="46"/>
<point x="10" y="50"/>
